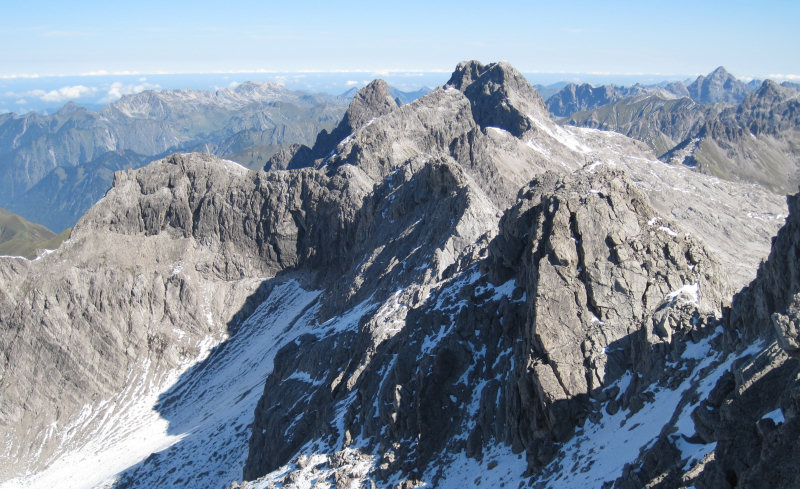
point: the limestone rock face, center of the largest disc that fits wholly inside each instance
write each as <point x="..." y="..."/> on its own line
<point x="749" y="418"/>
<point x="107" y="311"/>
<point x="609" y="284"/>
<point x="773" y="291"/>
<point x="570" y="255"/>
<point x="156" y="272"/>
<point x="754" y="417"/>
<point x="499" y="96"/>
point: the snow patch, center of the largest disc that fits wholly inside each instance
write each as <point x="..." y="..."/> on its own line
<point x="668" y="231"/>
<point x="687" y="293"/>
<point x="195" y="421"/>
<point x="561" y="135"/>
<point x="504" y="290"/>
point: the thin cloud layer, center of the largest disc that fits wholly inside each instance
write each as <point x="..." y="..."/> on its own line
<point x="63" y="94"/>
<point x="118" y="89"/>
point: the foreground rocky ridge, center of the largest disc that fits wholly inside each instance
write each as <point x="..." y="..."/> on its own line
<point x="412" y="310"/>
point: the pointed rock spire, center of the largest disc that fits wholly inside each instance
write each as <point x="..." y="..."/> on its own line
<point x="718" y="86"/>
<point x="374" y="100"/>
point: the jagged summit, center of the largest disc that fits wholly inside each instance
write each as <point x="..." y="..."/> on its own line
<point x="718" y="86"/>
<point x="720" y="73"/>
<point x="370" y="102"/>
<point x="500" y="95"/>
<point x="374" y="100"/>
<point x="771" y="92"/>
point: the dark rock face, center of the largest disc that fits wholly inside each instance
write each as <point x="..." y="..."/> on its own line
<point x="273" y="216"/>
<point x="290" y="158"/>
<point x="499" y="95"/>
<point x="577" y="249"/>
<point x="431" y="202"/>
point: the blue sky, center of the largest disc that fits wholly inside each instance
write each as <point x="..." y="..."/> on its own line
<point x="751" y="39"/>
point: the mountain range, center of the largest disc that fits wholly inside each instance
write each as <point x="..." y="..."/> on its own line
<point x="452" y="292"/>
<point x="718" y="125"/>
<point x="53" y="168"/>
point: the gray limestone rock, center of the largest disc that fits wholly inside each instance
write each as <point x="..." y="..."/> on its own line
<point x="156" y="269"/>
<point x="499" y="95"/>
<point x="369" y="103"/>
<point x="602" y="274"/>
<point x="749" y="419"/>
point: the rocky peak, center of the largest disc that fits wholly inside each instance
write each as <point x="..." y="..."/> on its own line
<point x="500" y="96"/>
<point x="465" y="73"/>
<point x="610" y="285"/>
<point x="718" y="86"/>
<point x="719" y="73"/>
<point x="772" y="109"/>
<point x="374" y="100"/>
<point x="69" y="108"/>
<point x="770" y="91"/>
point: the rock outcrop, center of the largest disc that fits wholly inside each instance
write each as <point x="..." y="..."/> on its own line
<point x="746" y="424"/>
<point x="370" y="102"/>
<point x="610" y="287"/>
<point x="154" y="273"/>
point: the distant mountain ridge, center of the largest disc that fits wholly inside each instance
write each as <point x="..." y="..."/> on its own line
<point x="721" y="126"/>
<point x="53" y="168"/>
<point x="41" y="156"/>
<point x="574" y="98"/>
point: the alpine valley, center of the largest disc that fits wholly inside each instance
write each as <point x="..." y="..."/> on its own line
<point x="453" y="292"/>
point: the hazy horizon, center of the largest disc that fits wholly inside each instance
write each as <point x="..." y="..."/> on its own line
<point x="47" y="94"/>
